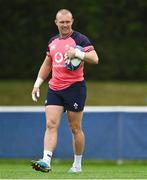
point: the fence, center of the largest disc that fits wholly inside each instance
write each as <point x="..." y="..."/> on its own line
<point x="112" y="133"/>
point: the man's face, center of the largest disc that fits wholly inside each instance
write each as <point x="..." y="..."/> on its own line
<point x="64" y="23"/>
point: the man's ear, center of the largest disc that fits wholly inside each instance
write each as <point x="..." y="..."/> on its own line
<point x="55" y="21"/>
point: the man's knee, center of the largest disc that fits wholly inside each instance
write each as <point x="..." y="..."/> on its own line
<point x="75" y="129"/>
<point x="51" y="124"/>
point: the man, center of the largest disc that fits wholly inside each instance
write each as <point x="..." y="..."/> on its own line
<point x="67" y="90"/>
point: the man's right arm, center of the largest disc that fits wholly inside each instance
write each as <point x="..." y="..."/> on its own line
<point x="44" y="71"/>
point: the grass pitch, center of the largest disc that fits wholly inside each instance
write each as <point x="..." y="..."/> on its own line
<point x="98" y="94"/>
<point x="21" y="169"/>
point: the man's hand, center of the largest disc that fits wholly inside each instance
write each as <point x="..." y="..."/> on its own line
<point x="36" y="90"/>
<point x="77" y="52"/>
<point x="35" y="93"/>
<point x="70" y="53"/>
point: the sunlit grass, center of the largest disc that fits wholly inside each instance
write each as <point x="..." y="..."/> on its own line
<point x="21" y="169"/>
<point x="99" y="93"/>
<point x="117" y="93"/>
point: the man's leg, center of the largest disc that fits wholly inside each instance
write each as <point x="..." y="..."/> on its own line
<point x="53" y="117"/>
<point x="75" y="123"/>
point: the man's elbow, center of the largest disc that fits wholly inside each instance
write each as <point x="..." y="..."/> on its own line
<point x="96" y="60"/>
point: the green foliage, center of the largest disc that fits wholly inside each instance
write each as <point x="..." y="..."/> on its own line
<point x="116" y="28"/>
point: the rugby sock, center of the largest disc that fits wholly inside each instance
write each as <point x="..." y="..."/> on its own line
<point x="77" y="160"/>
<point x="47" y="156"/>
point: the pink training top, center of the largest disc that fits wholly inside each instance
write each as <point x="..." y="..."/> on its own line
<point x="61" y="76"/>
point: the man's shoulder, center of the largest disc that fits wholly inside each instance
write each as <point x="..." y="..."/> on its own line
<point x="78" y="34"/>
<point x="80" y="39"/>
<point x="53" y="38"/>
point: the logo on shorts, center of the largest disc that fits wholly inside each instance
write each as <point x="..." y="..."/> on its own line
<point x="75" y="105"/>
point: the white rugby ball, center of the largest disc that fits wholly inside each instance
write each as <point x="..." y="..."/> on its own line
<point x="73" y="64"/>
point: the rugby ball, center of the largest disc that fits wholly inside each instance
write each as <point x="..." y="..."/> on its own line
<point x="73" y="64"/>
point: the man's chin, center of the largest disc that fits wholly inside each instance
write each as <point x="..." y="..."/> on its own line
<point x="65" y="34"/>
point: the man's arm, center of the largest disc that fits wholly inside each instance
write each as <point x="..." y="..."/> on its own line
<point x="90" y="57"/>
<point x="43" y="73"/>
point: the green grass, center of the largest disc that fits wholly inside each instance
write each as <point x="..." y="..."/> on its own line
<point x="99" y="93"/>
<point x="117" y="93"/>
<point x="20" y="169"/>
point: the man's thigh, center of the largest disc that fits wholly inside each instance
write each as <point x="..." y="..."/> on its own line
<point x="54" y="114"/>
<point x="75" y="118"/>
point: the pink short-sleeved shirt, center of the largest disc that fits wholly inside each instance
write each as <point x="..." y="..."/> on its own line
<point x="61" y="76"/>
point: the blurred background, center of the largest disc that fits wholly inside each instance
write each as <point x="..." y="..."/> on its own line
<point x="117" y="29"/>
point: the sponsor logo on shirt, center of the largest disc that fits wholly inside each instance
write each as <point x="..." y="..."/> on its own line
<point x="59" y="57"/>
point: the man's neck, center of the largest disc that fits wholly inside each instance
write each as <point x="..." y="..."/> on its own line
<point x="62" y="36"/>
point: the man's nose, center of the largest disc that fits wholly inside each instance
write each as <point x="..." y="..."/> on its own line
<point x="65" y="23"/>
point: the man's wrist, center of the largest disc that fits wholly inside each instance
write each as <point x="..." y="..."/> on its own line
<point x="79" y="54"/>
<point x="38" y="82"/>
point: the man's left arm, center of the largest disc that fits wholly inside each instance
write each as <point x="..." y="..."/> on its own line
<point x="88" y="56"/>
<point x="91" y="57"/>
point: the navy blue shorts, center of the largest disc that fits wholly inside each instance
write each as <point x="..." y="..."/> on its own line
<point x="72" y="98"/>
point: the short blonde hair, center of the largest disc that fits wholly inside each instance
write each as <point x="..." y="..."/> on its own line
<point x="64" y="11"/>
